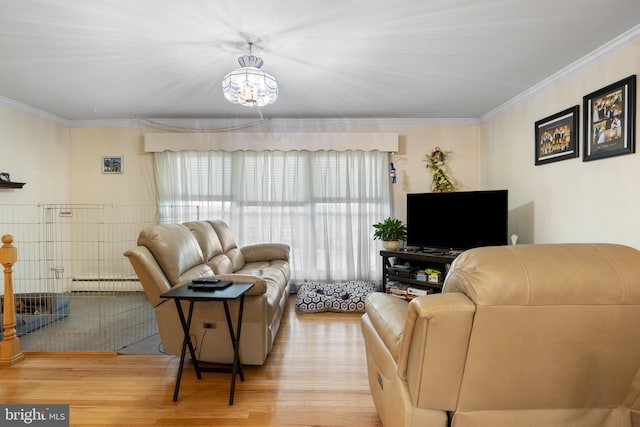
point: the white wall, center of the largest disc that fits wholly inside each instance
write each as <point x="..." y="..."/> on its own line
<point x="35" y="150"/>
<point x="135" y="186"/>
<point x="569" y="200"/>
<point x="417" y="142"/>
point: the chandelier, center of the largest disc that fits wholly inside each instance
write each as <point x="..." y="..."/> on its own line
<point x="250" y="85"/>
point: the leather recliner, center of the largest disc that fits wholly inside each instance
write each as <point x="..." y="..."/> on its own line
<point x="521" y="336"/>
<point x="171" y="255"/>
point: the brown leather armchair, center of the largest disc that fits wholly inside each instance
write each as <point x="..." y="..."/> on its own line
<point x="522" y="336"/>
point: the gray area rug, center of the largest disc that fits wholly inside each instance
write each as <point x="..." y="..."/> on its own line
<point x="96" y="322"/>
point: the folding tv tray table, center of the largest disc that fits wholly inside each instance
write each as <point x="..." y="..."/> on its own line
<point x="184" y="293"/>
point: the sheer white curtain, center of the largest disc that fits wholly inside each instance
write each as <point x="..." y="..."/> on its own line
<point x="321" y="203"/>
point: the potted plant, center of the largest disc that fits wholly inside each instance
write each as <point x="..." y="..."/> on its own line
<point x="391" y="231"/>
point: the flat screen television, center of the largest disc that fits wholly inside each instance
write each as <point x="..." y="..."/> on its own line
<point x="459" y="220"/>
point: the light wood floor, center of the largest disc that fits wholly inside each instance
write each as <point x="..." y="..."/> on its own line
<point x="315" y="376"/>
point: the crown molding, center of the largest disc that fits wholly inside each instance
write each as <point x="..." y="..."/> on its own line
<point x="19" y="106"/>
<point x="103" y="123"/>
<point x="212" y="125"/>
<point x="600" y="53"/>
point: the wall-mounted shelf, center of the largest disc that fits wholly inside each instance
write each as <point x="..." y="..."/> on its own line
<point x="9" y="184"/>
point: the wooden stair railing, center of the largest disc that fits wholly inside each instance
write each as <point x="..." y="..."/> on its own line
<point x="10" y="353"/>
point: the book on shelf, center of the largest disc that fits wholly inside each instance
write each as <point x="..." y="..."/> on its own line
<point x="396" y="288"/>
<point x="415" y="291"/>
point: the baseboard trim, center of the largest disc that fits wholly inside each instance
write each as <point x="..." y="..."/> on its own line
<point x="70" y="353"/>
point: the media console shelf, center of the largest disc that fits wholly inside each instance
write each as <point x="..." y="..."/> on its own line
<point x="414" y="261"/>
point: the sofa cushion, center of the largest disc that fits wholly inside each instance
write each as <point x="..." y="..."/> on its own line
<point x="229" y="246"/>
<point x="266" y="252"/>
<point x="259" y="284"/>
<point x="174" y="247"/>
<point x="273" y="290"/>
<point x="266" y="270"/>
<point x="236" y="257"/>
<point x="206" y="237"/>
<point x="221" y="264"/>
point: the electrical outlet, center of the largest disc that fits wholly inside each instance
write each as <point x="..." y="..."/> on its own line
<point x="207" y="325"/>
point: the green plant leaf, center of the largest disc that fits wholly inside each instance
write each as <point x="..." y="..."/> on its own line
<point x="390" y="229"/>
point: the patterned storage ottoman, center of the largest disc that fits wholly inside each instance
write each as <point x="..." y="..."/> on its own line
<point x="340" y="297"/>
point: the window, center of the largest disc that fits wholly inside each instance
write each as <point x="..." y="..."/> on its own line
<point x="321" y="203"/>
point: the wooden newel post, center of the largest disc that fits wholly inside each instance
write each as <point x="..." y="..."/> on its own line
<point x="10" y="353"/>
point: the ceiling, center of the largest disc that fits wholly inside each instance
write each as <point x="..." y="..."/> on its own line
<point x="124" y="59"/>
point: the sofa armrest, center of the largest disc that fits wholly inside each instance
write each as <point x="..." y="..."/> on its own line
<point x="265" y="252"/>
<point x="387" y="315"/>
<point x="149" y="273"/>
<point x="259" y="284"/>
<point x="434" y="348"/>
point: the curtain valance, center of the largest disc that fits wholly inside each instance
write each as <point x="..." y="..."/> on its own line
<point x="271" y="141"/>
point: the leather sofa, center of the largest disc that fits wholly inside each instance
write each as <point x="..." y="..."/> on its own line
<point x="170" y="255"/>
<point x="528" y="335"/>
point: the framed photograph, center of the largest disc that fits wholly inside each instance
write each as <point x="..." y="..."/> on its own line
<point x="112" y="164"/>
<point x="609" y="120"/>
<point x="557" y="136"/>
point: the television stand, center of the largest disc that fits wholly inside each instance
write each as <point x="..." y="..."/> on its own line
<point x="436" y="251"/>
<point x="431" y="251"/>
<point x="403" y="272"/>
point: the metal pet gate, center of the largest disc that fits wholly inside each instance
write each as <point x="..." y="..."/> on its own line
<point x="74" y="289"/>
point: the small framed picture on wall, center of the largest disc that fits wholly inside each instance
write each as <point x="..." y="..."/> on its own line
<point x="112" y="164"/>
<point x="609" y="120"/>
<point x="556" y="136"/>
